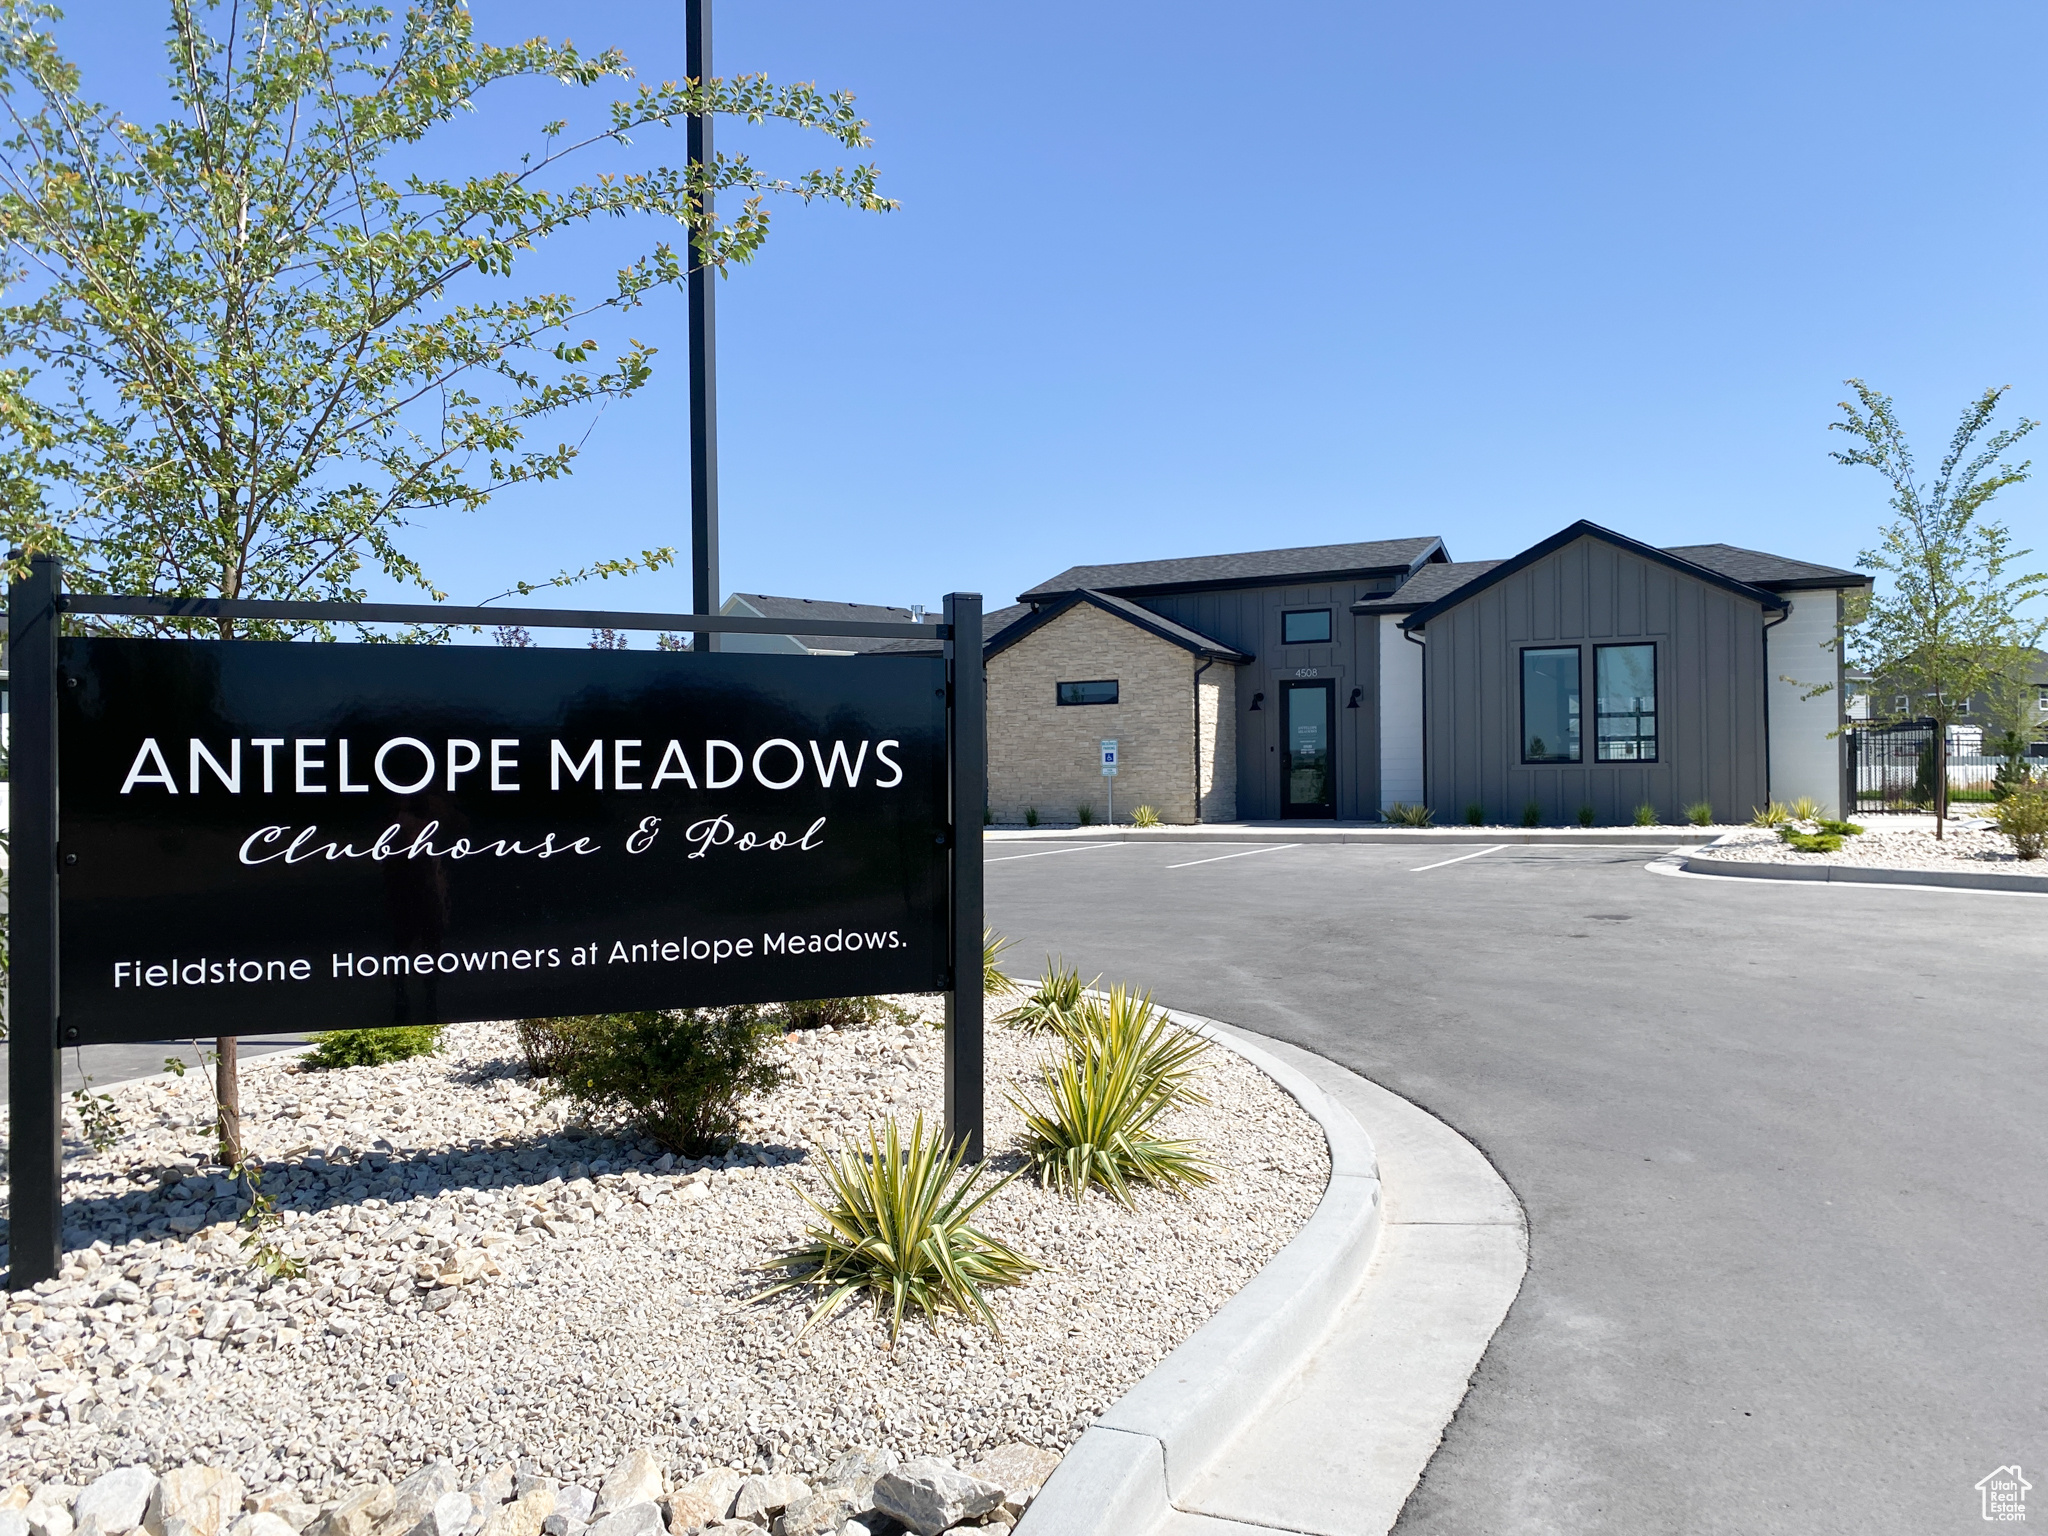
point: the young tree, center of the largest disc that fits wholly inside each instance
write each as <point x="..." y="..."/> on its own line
<point x="250" y="344"/>
<point x="1949" y="607"/>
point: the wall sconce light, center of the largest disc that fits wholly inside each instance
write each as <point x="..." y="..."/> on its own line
<point x="1356" y="695"/>
<point x="1257" y="700"/>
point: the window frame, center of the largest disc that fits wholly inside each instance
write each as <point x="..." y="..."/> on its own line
<point x="1522" y="653"/>
<point x="1656" y="707"/>
<point x="1329" y="635"/>
<point x="1059" y="689"/>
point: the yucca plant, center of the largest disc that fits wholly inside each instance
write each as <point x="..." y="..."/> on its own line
<point x="1124" y="1068"/>
<point x="995" y="981"/>
<point x="1144" y="816"/>
<point x="899" y="1227"/>
<point x="1053" y="1004"/>
<point x="1771" y="815"/>
<point x="1402" y="814"/>
<point x="1805" y="808"/>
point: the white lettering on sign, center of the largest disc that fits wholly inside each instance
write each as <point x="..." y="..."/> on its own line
<point x="409" y="765"/>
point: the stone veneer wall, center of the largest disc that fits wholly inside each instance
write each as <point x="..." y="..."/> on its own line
<point x="1048" y="755"/>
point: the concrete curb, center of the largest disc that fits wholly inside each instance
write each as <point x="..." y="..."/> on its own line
<point x="1841" y="874"/>
<point x="1311" y="834"/>
<point x="1121" y="1477"/>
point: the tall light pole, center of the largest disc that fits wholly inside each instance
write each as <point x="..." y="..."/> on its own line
<point x="704" y="595"/>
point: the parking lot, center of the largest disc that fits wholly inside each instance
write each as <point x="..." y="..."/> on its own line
<point x="1780" y="1147"/>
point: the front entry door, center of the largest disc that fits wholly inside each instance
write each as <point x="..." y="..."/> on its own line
<point x="1308" y="786"/>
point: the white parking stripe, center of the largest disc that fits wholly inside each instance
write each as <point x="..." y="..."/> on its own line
<point x="1461" y="858"/>
<point x="1270" y="848"/>
<point x="1048" y="853"/>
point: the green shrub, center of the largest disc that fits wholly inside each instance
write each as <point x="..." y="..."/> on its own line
<point x="995" y="981"/>
<point x="1585" y="815"/>
<point x="1144" y="816"/>
<point x="546" y="1043"/>
<point x="1404" y="815"/>
<point x="1030" y="815"/>
<point x="2023" y="817"/>
<point x="1054" y="1004"/>
<point x="678" y="1076"/>
<point x="1923" y="774"/>
<point x="2013" y="768"/>
<point x="1532" y="814"/>
<point x="1475" y="815"/>
<point x="1124" y="1068"/>
<point x="1085" y="814"/>
<point x="1646" y="815"/>
<point x="837" y="1013"/>
<point x="372" y="1047"/>
<point x="1840" y="828"/>
<point x="898" y="1226"/>
<point x="1811" y="842"/>
<point x="1700" y="813"/>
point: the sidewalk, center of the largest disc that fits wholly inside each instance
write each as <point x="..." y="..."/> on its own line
<point x="1312" y="1402"/>
<point x="1341" y="1450"/>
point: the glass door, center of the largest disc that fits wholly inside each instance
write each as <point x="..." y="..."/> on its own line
<point x="1307" y="785"/>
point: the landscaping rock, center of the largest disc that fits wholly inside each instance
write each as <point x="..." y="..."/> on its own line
<point x="262" y="1523"/>
<point x="818" y="1513"/>
<point x="703" y="1501"/>
<point x="415" y="1495"/>
<point x="359" y="1512"/>
<point x="576" y="1502"/>
<point x="635" y="1480"/>
<point x="494" y="1487"/>
<point x="450" y="1516"/>
<point x="13" y="1522"/>
<point x="49" y="1512"/>
<point x="642" y="1519"/>
<point x="1020" y="1470"/>
<point x="116" y="1502"/>
<point x="762" y="1497"/>
<point x="930" y="1496"/>
<point x="194" y="1501"/>
<point x="522" y="1517"/>
<point x="857" y="1471"/>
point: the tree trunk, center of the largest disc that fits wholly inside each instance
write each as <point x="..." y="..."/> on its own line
<point x="227" y="1088"/>
<point x="1940" y="779"/>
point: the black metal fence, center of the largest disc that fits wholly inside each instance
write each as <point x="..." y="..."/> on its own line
<point x="1891" y="767"/>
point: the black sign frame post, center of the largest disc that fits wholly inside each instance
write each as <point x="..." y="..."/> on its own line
<point x="36" y="604"/>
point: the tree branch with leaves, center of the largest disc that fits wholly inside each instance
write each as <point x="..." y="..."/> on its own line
<point x="1951" y="605"/>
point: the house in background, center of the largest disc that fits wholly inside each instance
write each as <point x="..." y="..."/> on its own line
<point x="757" y="605"/>
<point x="1590" y="670"/>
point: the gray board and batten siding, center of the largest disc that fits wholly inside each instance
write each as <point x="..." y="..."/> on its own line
<point x="1590" y="591"/>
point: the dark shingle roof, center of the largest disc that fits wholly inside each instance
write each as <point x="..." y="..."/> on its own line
<point x="1763" y="570"/>
<point x="1255" y="567"/>
<point x="993" y="623"/>
<point x="1144" y="618"/>
<point x="1426" y="586"/>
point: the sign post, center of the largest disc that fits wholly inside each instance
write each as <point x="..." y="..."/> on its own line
<point x="1109" y="774"/>
<point x="367" y="836"/>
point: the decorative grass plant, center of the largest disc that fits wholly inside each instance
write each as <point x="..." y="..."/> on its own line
<point x="1054" y="1005"/>
<point x="1585" y="815"/>
<point x="899" y="1226"/>
<point x="1144" y="816"/>
<point x="995" y="981"/>
<point x="1646" y="815"/>
<point x="1771" y="815"/>
<point x="1700" y="813"/>
<point x="1532" y="814"/>
<point x="1402" y="814"/>
<point x="1126" y="1066"/>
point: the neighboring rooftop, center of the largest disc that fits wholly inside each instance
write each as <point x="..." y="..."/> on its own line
<point x="761" y="605"/>
<point x="1259" y="567"/>
<point x="1775" y="572"/>
<point x="1425" y="586"/>
<point x="993" y="623"/>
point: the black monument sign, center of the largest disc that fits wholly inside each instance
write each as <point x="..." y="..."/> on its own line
<point x="345" y="836"/>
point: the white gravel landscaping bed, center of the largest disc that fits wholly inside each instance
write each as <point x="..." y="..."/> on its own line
<point x="487" y="1282"/>
<point x="1905" y="842"/>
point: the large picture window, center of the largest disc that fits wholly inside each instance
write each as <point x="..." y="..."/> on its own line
<point x="1550" y="705"/>
<point x="1103" y="692"/>
<point x="1625" y="703"/>
<point x="1307" y="626"/>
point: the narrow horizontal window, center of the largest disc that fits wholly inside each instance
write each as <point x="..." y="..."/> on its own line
<point x="1088" y="693"/>
<point x="1625" y="703"/>
<point x="1550" y="705"/>
<point x="1309" y="626"/>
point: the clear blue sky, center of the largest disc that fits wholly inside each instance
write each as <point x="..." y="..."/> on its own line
<point x="1181" y="279"/>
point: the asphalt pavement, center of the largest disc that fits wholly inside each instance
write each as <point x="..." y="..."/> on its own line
<point x="101" y="1065"/>
<point x="1781" y="1149"/>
